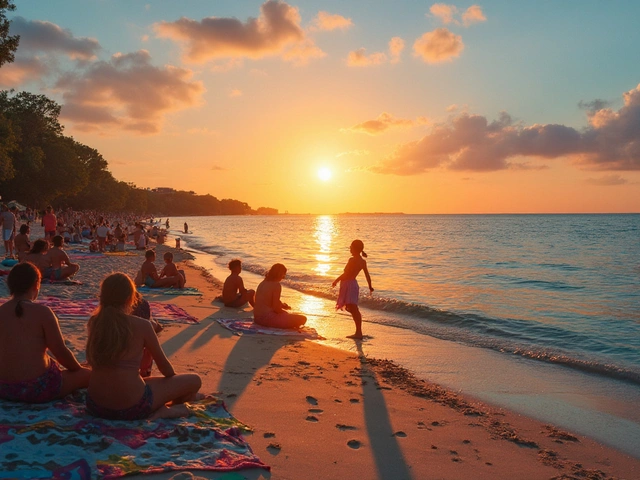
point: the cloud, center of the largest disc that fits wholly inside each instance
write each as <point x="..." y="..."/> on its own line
<point x="217" y="168"/>
<point x="300" y="53"/>
<point x="276" y="31"/>
<point x="448" y="14"/>
<point x="384" y="122"/>
<point x="235" y="93"/>
<point x="359" y="58"/>
<point x="356" y="153"/>
<point x="396" y="46"/>
<point x="607" y="181"/>
<point x="39" y="36"/>
<point x="440" y="45"/>
<point x="126" y="92"/>
<point x="21" y="71"/>
<point x="327" y="21"/>
<point x="473" y="15"/>
<point x="611" y="141"/>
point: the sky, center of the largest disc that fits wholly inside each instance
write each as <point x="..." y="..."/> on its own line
<point x="331" y="106"/>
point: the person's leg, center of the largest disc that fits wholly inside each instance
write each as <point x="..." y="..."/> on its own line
<point x="283" y="320"/>
<point x="72" y="381"/>
<point x="69" y="271"/>
<point x="177" y="389"/>
<point x="166" y="282"/>
<point x="357" y="319"/>
<point x="250" y="296"/>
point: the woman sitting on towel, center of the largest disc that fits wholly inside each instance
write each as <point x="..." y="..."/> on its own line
<point x="27" y="331"/>
<point x="114" y="350"/>
<point x="268" y="310"/>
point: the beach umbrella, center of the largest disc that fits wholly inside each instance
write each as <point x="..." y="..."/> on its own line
<point x="19" y="206"/>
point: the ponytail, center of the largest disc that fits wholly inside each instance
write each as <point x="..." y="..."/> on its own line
<point x="364" y="254"/>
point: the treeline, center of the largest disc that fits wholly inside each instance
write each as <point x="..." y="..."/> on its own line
<point x="39" y="165"/>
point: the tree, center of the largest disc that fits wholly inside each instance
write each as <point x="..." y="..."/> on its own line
<point x="8" y="43"/>
<point x="8" y="144"/>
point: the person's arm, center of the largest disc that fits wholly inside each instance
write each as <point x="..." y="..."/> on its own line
<point x="241" y="288"/>
<point x="55" y="343"/>
<point x="65" y="258"/>
<point x="335" y="282"/>
<point x="279" y="306"/>
<point x="162" y="272"/>
<point x="153" y="345"/>
<point x="367" y="276"/>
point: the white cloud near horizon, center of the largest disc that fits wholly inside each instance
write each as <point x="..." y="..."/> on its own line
<point x="469" y="142"/>
<point x="276" y="32"/>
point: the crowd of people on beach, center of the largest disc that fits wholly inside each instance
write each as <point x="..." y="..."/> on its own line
<point x="122" y="336"/>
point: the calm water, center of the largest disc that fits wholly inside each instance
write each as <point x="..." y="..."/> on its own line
<point x="558" y="288"/>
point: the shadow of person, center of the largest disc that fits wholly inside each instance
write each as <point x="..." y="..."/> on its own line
<point x="249" y="354"/>
<point x="387" y="454"/>
<point x="207" y="327"/>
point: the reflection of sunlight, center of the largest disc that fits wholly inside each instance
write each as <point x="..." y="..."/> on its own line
<point x="325" y="229"/>
<point x="315" y="309"/>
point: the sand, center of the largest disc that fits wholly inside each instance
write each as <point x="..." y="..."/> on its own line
<point x="319" y="412"/>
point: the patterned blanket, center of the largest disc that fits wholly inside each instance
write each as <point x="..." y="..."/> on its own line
<point x="189" y="291"/>
<point x="82" y="309"/>
<point x="246" y="325"/>
<point x="59" y="440"/>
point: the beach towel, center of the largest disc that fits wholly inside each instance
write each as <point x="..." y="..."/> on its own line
<point x="82" y="309"/>
<point x="59" y="440"/>
<point x="245" y="325"/>
<point x="187" y="291"/>
<point x="126" y="253"/>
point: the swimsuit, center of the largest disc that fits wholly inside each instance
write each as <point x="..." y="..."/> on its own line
<point x="40" y="390"/>
<point x="349" y="291"/>
<point x="52" y="273"/>
<point x="277" y="320"/>
<point x="139" y="411"/>
<point x="149" y="282"/>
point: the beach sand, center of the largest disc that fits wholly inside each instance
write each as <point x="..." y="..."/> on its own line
<point x="319" y="412"/>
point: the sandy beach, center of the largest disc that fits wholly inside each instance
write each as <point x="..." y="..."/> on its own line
<point x="319" y="412"/>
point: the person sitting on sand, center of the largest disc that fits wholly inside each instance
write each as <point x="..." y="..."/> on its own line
<point x="115" y="348"/>
<point x="38" y="256"/>
<point x="233" y="292"/>
<point x="148" y="274"/>
<point x="27" y="331"/>
<point x="61" y="266"/>
<point x="268" y="310"/>
<point x="170" y="270"/>
<point x="22" y="243"/>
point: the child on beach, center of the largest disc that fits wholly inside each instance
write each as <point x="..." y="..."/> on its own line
<point x="148" y="274"/>
<point x="268" y="310"/>
<point x="115" y="349"/>
<point x="61" y="266"/>
<point x="349" y="289"/>
<point x="27" y="331"/>
<point x="171" y="271"/>
<point x="233" y="292"/>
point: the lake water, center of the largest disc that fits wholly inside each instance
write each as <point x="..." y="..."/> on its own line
<point x="559" y="292"/>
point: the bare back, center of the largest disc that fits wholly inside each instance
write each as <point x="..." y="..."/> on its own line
<point x="232" y="285"/>
<point x="58" y="257"/>
<point x="267" y="298"/>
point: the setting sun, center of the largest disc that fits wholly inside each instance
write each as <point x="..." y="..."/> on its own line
<point x="324" y="174"/>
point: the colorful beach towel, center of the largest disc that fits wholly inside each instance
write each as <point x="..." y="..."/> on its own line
<point x="59" y="440"/>
<point x="82" y="309"/>
<point x="187" y="291"/>
<point x="246" y="325"/>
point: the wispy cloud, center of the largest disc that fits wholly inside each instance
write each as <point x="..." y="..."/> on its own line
<point x="607" y="181"/>
<point x="470" y="142"/>
<point x="396" y="46"/>
<point x="384" y="122"/>
<point x="126" y="92"/>
<point x="360" y="57"/>
<point x="450" y="14"/>
<point x="326" y="21"/>
<point x="21" y="71"/>
<point x="440" y="45"/>
<point x="276" y="32"/>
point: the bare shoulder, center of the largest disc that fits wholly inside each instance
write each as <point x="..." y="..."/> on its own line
<point x="140" y="324"/>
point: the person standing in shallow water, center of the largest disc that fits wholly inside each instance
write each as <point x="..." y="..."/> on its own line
<point x="349" y="288"/>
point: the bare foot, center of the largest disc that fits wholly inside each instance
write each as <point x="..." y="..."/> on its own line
<point x="356" y="336"/>
<point x="174" y="411"/>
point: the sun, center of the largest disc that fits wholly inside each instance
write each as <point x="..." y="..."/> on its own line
<point x="324" y="174"/>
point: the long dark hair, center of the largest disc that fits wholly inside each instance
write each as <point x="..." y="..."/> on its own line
<point x="21" y="279"/>
<point x="276" y="271"/>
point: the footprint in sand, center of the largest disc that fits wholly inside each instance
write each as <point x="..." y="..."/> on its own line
<point x="269" y="435"/>
<point x="399" y="433"/>
<point x="354" y="400"/>
<point x="355" y="444"/>
<point x="315" y="410"/>
<point x="311" y="418"/>
<point x="274" y="448"/>
<point x="312" y="400"/>
<point x="341" y="426"/>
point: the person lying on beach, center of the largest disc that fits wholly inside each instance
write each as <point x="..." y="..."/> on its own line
<point x="115" y="347"/>
<point x="148" y="274"/>
<point x="27" y="331"/>
<point x="170" y="270"/>
<point x="268" y="310"/>
<point x="22" y="243"/>
<point x="349" y="289"/>
<point x="61" y="266"/>
<point x="38" y="256"/>
<point x="233" y="292"/>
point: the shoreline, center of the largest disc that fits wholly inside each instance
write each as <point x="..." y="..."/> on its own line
<point x="315" y="408"/>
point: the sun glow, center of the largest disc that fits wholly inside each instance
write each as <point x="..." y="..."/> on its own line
<point x="324" y="174"/>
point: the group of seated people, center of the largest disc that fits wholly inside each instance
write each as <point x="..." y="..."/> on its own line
<point x="53" y="263"/>
<point x="168" y="277"/>
<point x="121" y="344"/>
<point x="268" y="309"/>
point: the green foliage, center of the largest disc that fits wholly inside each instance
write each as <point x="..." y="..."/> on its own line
<point x="41" y="166"/>
<point x="8" y="43"/>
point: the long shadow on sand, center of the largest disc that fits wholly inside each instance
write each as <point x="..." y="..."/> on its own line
<point x="205" y="330"/>
<point x="249" y="354"/>
<point x="388" y="456"/>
